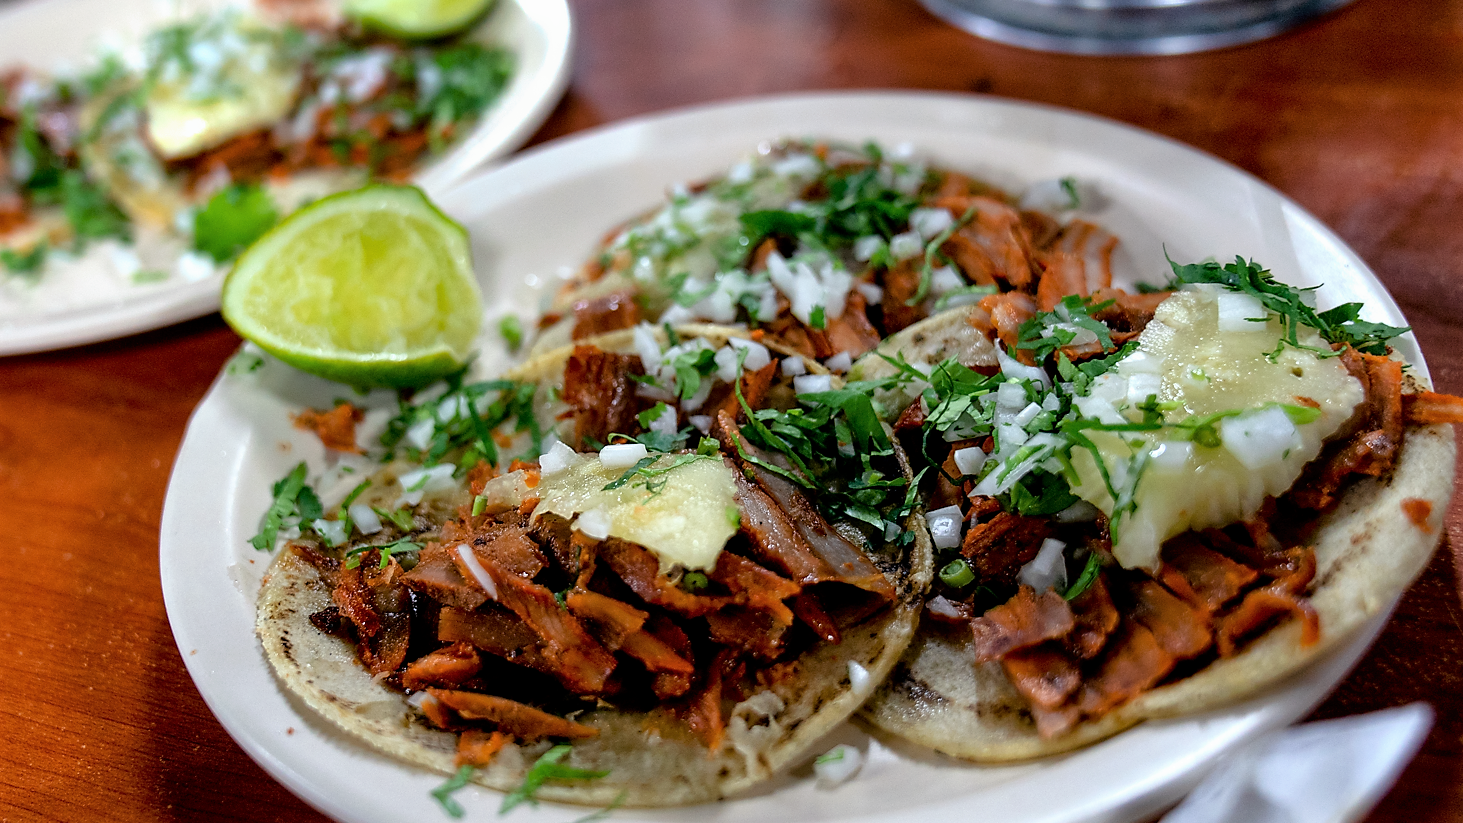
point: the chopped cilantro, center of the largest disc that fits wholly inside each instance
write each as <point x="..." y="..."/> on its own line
<point x="694" y="581"/>
<point x="547" y="767"/>
<point x="690" y="367"/>
<point x="90" y="212"/>
<point x="933" y="253"/>
<point x="443" y="793"/>
<point x="27" y="263"/>
<point x="1084" y="580"/>
<point x="511" y="328"/>
<point x="402" y="546"/>
<point x="291" y="497"/>
<point x="959" y="294"/>
<point x="232" y="220"/>
<point x="1341" y="325"/>
<point x="1049" y="331"/>
<point x="817" y="318"/>
<point x="734" y="516"/>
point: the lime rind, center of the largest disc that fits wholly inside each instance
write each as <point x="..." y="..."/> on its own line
<point x="418" y="19"/>
<point x="372" y="287"/>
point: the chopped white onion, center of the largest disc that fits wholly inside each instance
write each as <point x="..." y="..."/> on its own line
<point x="757" y="354"/>
<point x="930" y="222"/>
<point x="647" y="346"/>
<point x="594" y="523"/>
<point x="665" y="422"/>
<point x="419" y="434"/>
<point x="945" y="279"/>
<point x="1079" y="512"/>
<point x="808" y="383"/>
<point x="480" y="574"/>
<point x="1141" y="362"/>
<point x="365" y="518"/>
<point x="555" y="460"/>
<point x="678" y="315"/>
<point x="1048" y="570"/>
<point x="1236" y="310"/>
<point x="622" y="455"/>
<point x="873" y="295"/>
<point x="726" y="364"/>
<point x="866" y="247"/>
<point x="945" y="526"/>
<point x="943" y="607"/>
<point x="1143" y="385"/>
<point x="840" y="362"/>
<point x="792" y="366"/>
<point x="1027" y="414"/>
<point x="837" y="766"/>
<point x="416" y="484"/>
<point x="1259" y="438"/>
<point x="858" y="676"/>
<point x="892" y="530"/>
<point x="1014" y="368"/>
<point x="1171" y="457"/>
<point x="332" y="530"/>
<point x="702" y="422"/>
<point x="906" y="245"/>
<point x="969" y="460"/>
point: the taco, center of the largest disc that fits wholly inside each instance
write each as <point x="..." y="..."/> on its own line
<point x="197" y="140"/>
<point x="1150" y="505"/>
<point x="684" y="608"/>
<point x="828" y="248"/>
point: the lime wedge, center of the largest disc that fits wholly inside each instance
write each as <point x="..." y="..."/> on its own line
<point x="417" y="19"/>
<point x="372" y="287"/>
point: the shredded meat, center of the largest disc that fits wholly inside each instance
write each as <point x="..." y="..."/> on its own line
<point x="1044" y="675"/>
<point x="901" y="284"/>
<point x="515" y="719"/>
<point x="436" y="575"/>
<point x="597" y="386"/>
<point x="604" y="314"/>
<point x="1180" y="629"/>
<point x="1260" y="608"/>
<point x="1094" y="618"/>
<point x="476" y="747"/>
<point x="335" y="428"/>
<point x="1428" y="407"/>
<point x="1023" y="621"/>
<point x="998" y="549"/>
<point x="1203" y="577"/>
<point x="993" y="246"/>
<point x="447" y="667"/>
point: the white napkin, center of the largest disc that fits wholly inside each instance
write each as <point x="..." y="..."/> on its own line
<point x="1332" y="771"/>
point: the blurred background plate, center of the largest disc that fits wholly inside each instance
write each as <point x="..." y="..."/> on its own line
<point x="536" y="218"/>
<point x="60" y="34"/>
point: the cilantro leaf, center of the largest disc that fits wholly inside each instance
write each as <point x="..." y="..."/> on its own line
<point x="232" y="220"/>
<point x="26" y="263"/>
<point x="1340" y="325"/>
<point x="546" y="768"/>
<point x="443" y="793"/>
<point x="287" y="493"/>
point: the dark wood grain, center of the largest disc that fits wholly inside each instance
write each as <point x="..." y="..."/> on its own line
<point x="1358" y="117"/>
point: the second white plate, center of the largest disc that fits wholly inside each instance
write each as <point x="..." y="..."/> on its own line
<point x="52" y="34"/>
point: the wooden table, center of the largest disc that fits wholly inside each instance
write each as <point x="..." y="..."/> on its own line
<point x="1358" y="116"/>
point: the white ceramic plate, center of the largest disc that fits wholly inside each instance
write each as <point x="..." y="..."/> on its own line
<point x="541" y="214"/>
<point x="86" y="307"/>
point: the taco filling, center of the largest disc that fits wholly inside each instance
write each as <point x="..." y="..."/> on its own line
<point x="829" y="249"/>
<point x="1128" y="488"/>
<point x="645" y="562"/>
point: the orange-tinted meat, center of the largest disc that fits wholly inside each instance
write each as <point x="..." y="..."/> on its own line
<point x="522" y="722"/>
<point x="1023" y="621"/>
<point x="335" y="428"/>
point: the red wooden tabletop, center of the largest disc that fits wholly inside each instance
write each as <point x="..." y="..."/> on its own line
<point x="1358" y="116"/>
